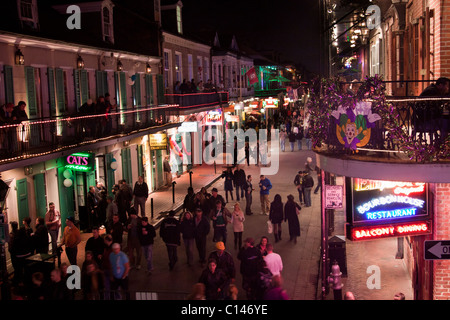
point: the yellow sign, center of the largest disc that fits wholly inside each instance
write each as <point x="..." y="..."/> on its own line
<point x="158" y="141"/>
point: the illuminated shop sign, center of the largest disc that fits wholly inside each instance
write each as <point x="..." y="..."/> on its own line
<point x="214" y="118"/>
<point x="394" y="230"/>
<point x="388" y="201"/>
<point x="270" y="103"/>
<point x="158" y="141"/>
<point x="82" y="161"/>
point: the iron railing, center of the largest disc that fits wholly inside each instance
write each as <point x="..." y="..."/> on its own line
<point x="197" y="100"/>
<point x="46" y="135"/>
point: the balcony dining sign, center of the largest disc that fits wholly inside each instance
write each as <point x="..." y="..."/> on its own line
<point x="388" y="209"/>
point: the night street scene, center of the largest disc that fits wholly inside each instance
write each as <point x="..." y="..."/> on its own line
<point x="238" y="152"/>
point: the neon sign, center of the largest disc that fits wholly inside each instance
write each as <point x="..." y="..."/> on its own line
<point x="375" y="232"/>
<point x="389" y="200"/>
<point x="81" y="161"/>
<point x="214" y="117"/>
<point x="405" y="188"/>
<point x="390" y="214"/>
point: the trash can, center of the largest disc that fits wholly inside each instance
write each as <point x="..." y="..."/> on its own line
<point x="337" y="251"/>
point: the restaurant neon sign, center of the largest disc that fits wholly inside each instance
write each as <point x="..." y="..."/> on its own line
<point x="79" y="162"/>
<point x="367" y="232"/>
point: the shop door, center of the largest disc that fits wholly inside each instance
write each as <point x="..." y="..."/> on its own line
<point x="126" y="166"/>
<point x="81" y="193"/>
<point x="22" y="200"/>
<point x="40" y="195"/>
<point x="159" y="168"/>
<point x="66" y="198"/>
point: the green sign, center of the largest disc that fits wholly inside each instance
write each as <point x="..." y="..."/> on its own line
<point x="81" y="161"/>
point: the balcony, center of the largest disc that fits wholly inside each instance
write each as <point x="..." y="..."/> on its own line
<point x="406" y="139"/>
<point x="269" y="92"/>
<point x="200" y="100"/>
<point x="41" y="137"/>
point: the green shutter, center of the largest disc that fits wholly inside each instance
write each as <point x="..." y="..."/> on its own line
<point x="160" y="88"/>
<point x="137" y="86"/>
<point x="126" y="165"/>
<point x="40" y="195"/>
<point x="9" y="87"/>
<point x="139" y="159"/>
<point x="22" y="199"/>
<point x="90" y="179"/>
<point x="148" y="89"/>
<point x="31" y="91"/>
<point x="110" y="180"/>
<point x="105" y="82"/>
<point x="51" y="91"/>
<point x="76" y="85"/>
<point x="60" y="91"/>
<point x="123" y="89"/>
<point x="84" y="86"/>
<point x="99" y="83"/>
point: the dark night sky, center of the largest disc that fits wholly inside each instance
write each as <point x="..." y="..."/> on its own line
<point x="290" y="27"/>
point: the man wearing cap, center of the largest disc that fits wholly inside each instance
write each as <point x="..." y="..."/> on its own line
<point x="220" y="217"/>
<point x="120" y="266"/>
<point x="224" y="261"/>
<point x="71" y="239"/>
<point x="170" y="233"/>
<point x="202" y="228"/>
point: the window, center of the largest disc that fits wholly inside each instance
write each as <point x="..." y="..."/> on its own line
<point x="206" y="69"/>
<point x="167" y="75"/>
<point x="28" y="16"/>
<point x="190" y="68"/>
<point x="178" y="67"/>
<point x="107" y="25"/>
<point x="179" y="21"/>
<point x="200" y="68"/>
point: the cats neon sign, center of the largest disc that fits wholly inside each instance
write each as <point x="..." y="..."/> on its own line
<point x="80" y="162"/>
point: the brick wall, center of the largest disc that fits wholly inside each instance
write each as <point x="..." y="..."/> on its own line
<point x="441" y="270"/>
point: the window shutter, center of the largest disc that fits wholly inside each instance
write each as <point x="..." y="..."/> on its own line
<point x="84" y="86"/>
<point x="137" y="86"/>
<point x="123" y="89"/>
<point x="51" y="90"/>
<point x="31" y="91"/>
<point x="76" y="84"/>
<point x="9" y="87"/>
<point x="148" y="89"/>
<point x="60" y="91"/>
<point x="99" y="83"/>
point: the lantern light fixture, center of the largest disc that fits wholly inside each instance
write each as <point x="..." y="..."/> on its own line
<point x="119" y="65"/>
<point x="19" y="58"/>
<point x="80" y="62"/>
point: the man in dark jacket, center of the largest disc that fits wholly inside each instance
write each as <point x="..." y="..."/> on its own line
<point x="239" y="181"/>
<point x="224" y="261"/>
<point x="250" y="258"/>
<point x="188" y="203"/>
<point x="248" y="189"/>
<point x="212" y="200"/>
<point x="19" y="114"/>
<point x="308" y="184"/>
<point x="134" y="224"/>
<point x="116" y="230"/>
<point x="140" y="194"/>
<point x="147" y="235"/>
<point x="202" y="228"/>
<point x="40" y="236"/>
<point x="170" y="233"/>
<point x="92" y="206"/>
<point x="96" y="244"/>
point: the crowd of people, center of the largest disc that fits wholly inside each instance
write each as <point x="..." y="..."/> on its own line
<point x="192" y="87"/>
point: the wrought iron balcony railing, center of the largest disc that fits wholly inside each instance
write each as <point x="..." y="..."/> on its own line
<point x="44" y="136"/>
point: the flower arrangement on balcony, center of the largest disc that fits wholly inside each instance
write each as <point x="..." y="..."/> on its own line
<point x="356" y="113"/>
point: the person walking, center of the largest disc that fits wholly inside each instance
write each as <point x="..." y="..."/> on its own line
<point x="105" y="266"/>
<point x="187" y="229"/>
<point x="96" y="245"/>
<point x="202" y="228"/>
<point x="239" y="182"/>
<point x="292" y="139"/>
<point x="237" y="221"/>
<point x="147" y="235"/>
<point x="283" y="137"/>
<point x="299" y="137"/>
<point x="307" y="184"/>
<point x="276" y="291"/>
<point x="71" y="238"/>
<point x="189" y="200"/>
<point x="224" y="261"/>
<point x="264" y="185"/>
<point x="170" y="233"/>
<point x="291" y="211"/>
<point x="140" y="194"/>
<point x="133" y="243"/>
<point x="221" y="216"/>
<point x="298" y="184"/>
<point x="53" y="223"/>
<point x="116" y="230"/>
<point x="229" y="180"/>
<point x="92" y="208"/>
<point x="276" y="216"/>
<point x="248" y="189"/>
<point x="273" y="261"/>
<point x="111" y="210"/>
<point x="214" y="280"/>
<point x="250" y="258"/>
<point x="167" y="171"/>
<point x="120" y="266"/>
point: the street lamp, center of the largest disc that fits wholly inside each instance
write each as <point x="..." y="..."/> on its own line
<point x="119" y="65"/>
<point x="148" y="68"/>
<point x="19" y="58"/>
<point x="80" y="62"/>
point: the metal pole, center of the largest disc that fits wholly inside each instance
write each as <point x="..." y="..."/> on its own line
<point x="173" y="191"/>
<point x="324" y="235"/>
<point x="190" y="178"/>
<point x="151" y="207"/>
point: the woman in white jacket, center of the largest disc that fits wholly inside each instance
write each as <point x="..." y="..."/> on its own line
<point x="237" y="220"/>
